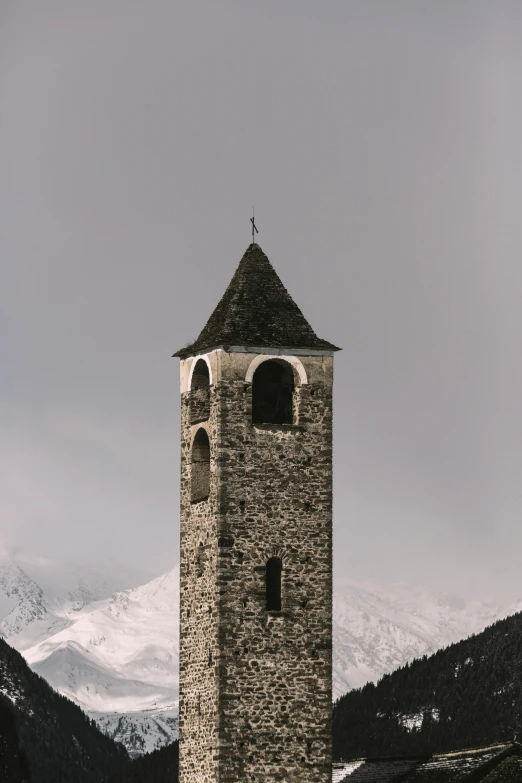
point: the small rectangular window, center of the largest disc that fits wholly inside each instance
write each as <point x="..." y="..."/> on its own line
<point x="274" y="568"/>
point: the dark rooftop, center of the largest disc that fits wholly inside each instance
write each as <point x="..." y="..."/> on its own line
<point x="256" y="310"/>
<point x="494" y="764"/>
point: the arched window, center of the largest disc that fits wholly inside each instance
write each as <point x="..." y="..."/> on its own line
<point x="272" y="393"/>
<point x="274" y="567"/>
<point x="200" y="393"/>
<point x="200" y="473"/>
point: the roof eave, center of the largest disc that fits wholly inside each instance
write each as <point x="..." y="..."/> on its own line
<point x="324" y="349"/>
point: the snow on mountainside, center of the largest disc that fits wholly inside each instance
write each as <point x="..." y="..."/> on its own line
<point x="39" y="597"/>
<point x="121" y="653"/>
<point x="22" y="603"/>
<point x="142" y="731"/>
<point x="116" y="655"/>
<point x="378" y="628"/>
<point x="510" y="610"/>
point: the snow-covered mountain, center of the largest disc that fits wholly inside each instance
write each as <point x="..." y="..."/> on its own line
<point x="116" y="654"/>
<point x="141" y="731"/>
<point x="120" y="654"/>
<point x="39" y="596"/>
<point x="112" y="651"/>
<point x="119" y="662"/>
<point x="378" y="628"/>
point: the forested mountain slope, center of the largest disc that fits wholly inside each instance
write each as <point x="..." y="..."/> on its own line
<point x="61" y="744"/>
<point x="13" y="761"/>
<point x="468" y="694"/>
<point x="160" y="766"/>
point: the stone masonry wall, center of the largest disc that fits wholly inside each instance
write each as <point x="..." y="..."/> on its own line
<point x="266" y="715"/>
<point x="198" y="612"/>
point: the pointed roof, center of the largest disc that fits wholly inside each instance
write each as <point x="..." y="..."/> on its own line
<point x="256" y="310"/>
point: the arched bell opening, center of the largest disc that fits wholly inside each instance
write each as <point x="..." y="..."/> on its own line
<point x="273" y="388"/>
<point x="200" y="393"/>
<point x="200" y="467"/>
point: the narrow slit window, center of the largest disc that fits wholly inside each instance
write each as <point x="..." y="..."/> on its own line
<point x="200" y="473"/>
<point x="274" y="568"/>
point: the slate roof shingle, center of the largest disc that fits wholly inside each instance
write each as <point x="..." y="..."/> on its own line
<point x="495" y="764"/>
<point x="508" y="771"/>
<point x="256" y="310"/>
<point x="375" y="771"/>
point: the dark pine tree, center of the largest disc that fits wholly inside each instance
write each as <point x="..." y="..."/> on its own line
<point x="60" y="742"/>
<point x="468" y="694"/>
<point x="160" y="766"/>
<point x="13" y="761"/>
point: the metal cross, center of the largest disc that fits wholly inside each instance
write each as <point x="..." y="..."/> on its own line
<point x="254" y="227"/>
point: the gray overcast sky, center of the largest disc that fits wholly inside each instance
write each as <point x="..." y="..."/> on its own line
<point x="380" y="141"/>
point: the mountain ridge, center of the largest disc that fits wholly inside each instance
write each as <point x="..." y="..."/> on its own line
<point x="116" y="655"/>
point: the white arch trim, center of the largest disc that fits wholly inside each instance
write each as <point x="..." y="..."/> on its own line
<point x="293" y="360"/>
<point x="194" y="362"/>
<point x="195" y="428"/>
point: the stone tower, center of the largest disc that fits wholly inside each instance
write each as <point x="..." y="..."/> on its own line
<point x="256" y="540"/>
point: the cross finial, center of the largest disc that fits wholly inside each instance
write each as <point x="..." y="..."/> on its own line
<point x="254" y="227"/>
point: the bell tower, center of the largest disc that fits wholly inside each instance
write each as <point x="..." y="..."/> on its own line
<point x="256" y="540"/>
